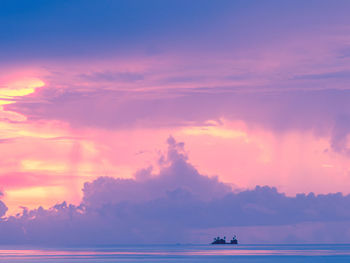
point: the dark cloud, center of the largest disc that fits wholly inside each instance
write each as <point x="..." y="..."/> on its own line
<point x="171" y="207"/>
<point x="280" y="111"/>
<point x="328" y="75"/>
<point x="108" y="76"/>
<point x="3" y="207"/>
<point x="235" y="41"/>
<point x="324" y="112"/>
<point x="341" y="130"/>
<point x="344" y="53"/>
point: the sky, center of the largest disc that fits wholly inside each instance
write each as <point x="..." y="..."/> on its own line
<point x="139" y="113"/>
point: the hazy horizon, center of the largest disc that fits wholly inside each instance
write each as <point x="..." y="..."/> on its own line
<point x="174" y="122"/>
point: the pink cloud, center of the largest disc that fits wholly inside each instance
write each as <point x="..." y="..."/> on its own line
<point x="117" y="211"/>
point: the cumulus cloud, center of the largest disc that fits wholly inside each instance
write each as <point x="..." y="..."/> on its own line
<point x="176" y="175"/>
<point x="3" y="207"/>
<point x="172" y="206"/>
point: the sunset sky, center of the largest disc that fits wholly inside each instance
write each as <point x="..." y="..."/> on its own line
<point x="248" y="93"/>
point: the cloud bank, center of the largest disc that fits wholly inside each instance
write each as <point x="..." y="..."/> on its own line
<point x="172" y="206"/>
<point x="241" y="61"/>
<point x="3" y="207"/>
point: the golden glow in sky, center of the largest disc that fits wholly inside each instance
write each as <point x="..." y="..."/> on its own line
<point x="19" y="88"/>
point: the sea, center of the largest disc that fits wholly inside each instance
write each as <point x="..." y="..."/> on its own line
<point x="333" y="253"/>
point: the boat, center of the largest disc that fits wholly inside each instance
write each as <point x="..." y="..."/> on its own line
<point x="222" y="241"/>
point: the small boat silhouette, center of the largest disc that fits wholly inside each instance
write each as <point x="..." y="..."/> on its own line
<point x="222" y="241"/>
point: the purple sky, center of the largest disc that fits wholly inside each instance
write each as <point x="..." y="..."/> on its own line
<point x="138" y="118"/>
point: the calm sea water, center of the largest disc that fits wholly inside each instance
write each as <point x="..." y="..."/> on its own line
<point x="182" y="253"/>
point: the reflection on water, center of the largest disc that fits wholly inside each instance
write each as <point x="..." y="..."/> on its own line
<point x="181" y="253"/>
